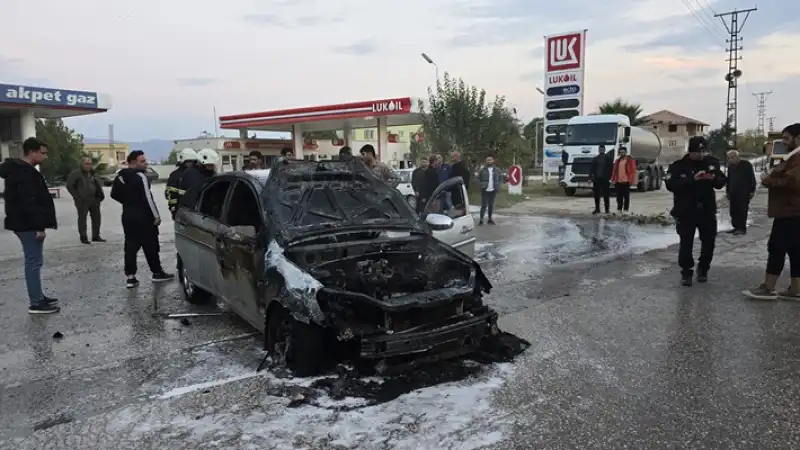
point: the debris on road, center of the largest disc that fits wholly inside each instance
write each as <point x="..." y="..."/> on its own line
<point x="57" y="335"/>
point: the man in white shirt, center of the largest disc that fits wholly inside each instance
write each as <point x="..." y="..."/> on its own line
<point x="489" y="178"/>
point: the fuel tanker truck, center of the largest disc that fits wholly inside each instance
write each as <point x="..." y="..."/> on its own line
<point x="584" y="134"/>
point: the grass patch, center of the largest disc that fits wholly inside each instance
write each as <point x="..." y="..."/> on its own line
<point x="505" y="200"/>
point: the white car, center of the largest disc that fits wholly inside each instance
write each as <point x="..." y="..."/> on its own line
<point x="405" y="186"/>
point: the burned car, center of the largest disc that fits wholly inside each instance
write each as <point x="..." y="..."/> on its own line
<point x="325" y="259"/>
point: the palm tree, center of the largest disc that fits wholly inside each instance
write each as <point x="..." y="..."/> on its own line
<point x="619" y="106"/>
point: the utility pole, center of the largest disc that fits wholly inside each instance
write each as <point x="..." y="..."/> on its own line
<point x="771" y="124"/>
<point x="761" y="109"/>
<point x="732" y="77"/>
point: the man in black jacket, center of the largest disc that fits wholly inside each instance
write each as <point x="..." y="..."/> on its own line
<point x="600" y="176"/>
<point x="173" y="192"/>
<point x="194" y="177"/>
<point x="30" y="210"/>
<point x="692" y="181"/>
<point x="140" y="218"/>
<point x="740" y="189"/>
<point x="459" y="168"/>
<point x="418" y="183"/>
<point x="430" y="182"/>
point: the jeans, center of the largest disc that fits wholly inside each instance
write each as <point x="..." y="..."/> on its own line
<point x="487" y="202"/>
<point x="623" y="196"/>
<point x="92" y="210"/>
<point x="32" y="250"/>
<point x="602" y="189"/>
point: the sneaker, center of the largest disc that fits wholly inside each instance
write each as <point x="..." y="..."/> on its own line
<point x="490" y="222"/>
<point x="480" y="222"/>
<point x="702" y="276"/>
<point x="731" y="231"/>
<point x="596" y="211"/>
<point x="98" y="239"/>
<point x="686" y="280"/>
<point x="162" y="276"/>
<point x="85" y="241"/>
<point x="44" y="308"/>
<point x="50" y="300"/>
<point x="131" y="283"/>
<point x="739" y="233"/>
<point x="761" y="293"/>
<point x="788" y="294"/>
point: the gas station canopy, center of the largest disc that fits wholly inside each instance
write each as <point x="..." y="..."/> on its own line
<point x="394" y="112"/>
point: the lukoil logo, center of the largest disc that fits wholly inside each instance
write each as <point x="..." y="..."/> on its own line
<point x="565" y="78"/>
<point x="23" y="94"/>
<point x="390" y="106"/>
<point x="564" y="52"/>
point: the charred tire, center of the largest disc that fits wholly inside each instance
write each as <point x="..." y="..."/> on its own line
<point x="295" y="345"/>
<point x="570" y="192"/>
<point x="191" y="292"/>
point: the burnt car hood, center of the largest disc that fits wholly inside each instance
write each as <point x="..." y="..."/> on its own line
<point x="309" y="197"/>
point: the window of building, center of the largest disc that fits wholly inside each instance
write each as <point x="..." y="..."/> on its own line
<point x="369" y="135"/>
<point x="401" y="133"/>
<point x="672" y="143"/>
<point x="673" y="129"/>
<point x="121" y="156"/>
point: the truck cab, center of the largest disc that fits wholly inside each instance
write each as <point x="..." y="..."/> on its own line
<point x="580" y="143"/>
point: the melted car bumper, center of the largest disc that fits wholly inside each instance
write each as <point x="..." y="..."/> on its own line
<point x="456" y="336"/>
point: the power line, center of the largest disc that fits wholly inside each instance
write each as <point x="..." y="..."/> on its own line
<point x="732" y="77"/>
<point x="707" y="24"/>
<point x="761" y="109"/>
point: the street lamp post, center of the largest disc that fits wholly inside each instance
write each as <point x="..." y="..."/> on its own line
<point x="430" y="61"/>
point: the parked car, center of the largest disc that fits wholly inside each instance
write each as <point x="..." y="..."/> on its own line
<point x="325" y="259"/>
<point x="108" y="180"/>
<point x="405" y="186"/>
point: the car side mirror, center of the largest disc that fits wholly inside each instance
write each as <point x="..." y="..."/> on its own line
<point x="439" y="222"/>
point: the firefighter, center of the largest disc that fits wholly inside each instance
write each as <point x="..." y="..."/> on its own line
<point x="692" y="181"/>
<point x="186" y="159"/>
<point x="196" y="176"/>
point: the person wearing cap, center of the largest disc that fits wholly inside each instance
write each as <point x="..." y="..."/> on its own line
<point x="739" y="190"/>
<point x="692" y="181"/>
<point x="186" y="159"/>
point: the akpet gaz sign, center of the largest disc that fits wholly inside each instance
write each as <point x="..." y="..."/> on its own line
<point x="37" y="96"/>
<point x="564" y="67"/>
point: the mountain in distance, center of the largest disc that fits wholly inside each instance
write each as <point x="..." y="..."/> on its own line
<point x="155" y="149"/>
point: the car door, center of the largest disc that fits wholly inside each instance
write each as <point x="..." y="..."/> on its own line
<point x="197" y="231"/>
<point x="240" y="256"/>
<point x="461" y="235"/>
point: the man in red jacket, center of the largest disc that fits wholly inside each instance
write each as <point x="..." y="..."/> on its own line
<point x="624" y="175"/>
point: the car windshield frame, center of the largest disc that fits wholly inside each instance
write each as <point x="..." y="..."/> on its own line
<point x="592" y="134"/>
<point x="335" y="181"/>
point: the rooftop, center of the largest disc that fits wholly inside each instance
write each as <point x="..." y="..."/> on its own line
<point x="671" y="118"/>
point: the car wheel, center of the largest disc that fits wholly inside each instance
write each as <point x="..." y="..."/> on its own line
<point x="295" y="345"/>
<point x="412" y="201"/>
<point x="191" y="292"/>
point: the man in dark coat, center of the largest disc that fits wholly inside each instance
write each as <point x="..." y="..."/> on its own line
<point x="418" y="183"/>
<point x="600" y="176"/>
<point x="30" y="210"/>
<point x="459" y="168"/>
<point x="740" y="190"/>
<point x="87" y="193"/>
<point x="431" y="182"/>
<point x="692" y="181"/>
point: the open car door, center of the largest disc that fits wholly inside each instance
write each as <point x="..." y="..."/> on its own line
<point x="450" y="199"/>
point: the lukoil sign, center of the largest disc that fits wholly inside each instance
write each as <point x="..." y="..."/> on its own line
<point x="564" y="52"/>
<point x="562" y="78"/>
<point x="27" y="95"/>
<point x="391" y="106"/>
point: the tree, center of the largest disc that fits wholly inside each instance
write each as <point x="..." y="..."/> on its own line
<point x="64" y="148"/>
<point x="459" y="118"/>
<point x="619" y="106"/>
<point x="718" y="140"/>
<point x="172" y="159"/>
<point x="417" y="147"/>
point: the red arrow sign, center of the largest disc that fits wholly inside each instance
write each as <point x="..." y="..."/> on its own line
<point x="514" y="175"/>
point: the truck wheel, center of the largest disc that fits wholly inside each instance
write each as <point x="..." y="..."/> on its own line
<point x="570" y="192"/>
<point x="295" y="345"/>
<point x="192" y="293"/>
<point x="658" y="180"/>
<point x="644" y="184"/>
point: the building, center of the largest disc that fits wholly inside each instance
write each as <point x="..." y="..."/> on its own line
<point x="233" y="152"/>
<point x="674" y="130"/>
<point x="112" y="155"/>
<point x="20" y="106"/>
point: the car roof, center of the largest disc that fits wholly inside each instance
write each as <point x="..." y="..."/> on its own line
<point x="259" y="174"/>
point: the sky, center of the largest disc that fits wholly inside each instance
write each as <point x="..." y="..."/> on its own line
<point x="169" y="64"/>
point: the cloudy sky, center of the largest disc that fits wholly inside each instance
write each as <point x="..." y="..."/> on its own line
<point x="167" y="64"/>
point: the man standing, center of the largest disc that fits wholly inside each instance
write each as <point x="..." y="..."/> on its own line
<point x="692" y="181"/>
<point x="418" y="183"/>
<point x="286" y="154"/>
<point x="87" y="193"/>
<point x="29" y="212"/>
<point x="624" y="175"/>
<point x="429" y="184"/>
<point x="381" y="170"/>
<point x="140" y="218"/>
<point x="740" y="189"/>
<point x="173" y="192"/>
<point x="196" y="176"/>
<point x="489" y="177"/>
<point x="459" y="169"/>
<point x="255" y="161"/>
<point x="783" y="183"/>
<point x="444" y="175"/>
<point x="600" y="176"/>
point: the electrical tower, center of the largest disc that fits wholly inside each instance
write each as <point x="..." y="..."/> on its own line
<point x="771" y="124"/>
<point x="732" y="77"/>
<point x="761" y="109"/>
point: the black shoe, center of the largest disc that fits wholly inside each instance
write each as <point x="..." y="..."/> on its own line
<point x="85" y="241"/>
<point x="480" y="222"/>
<point x="686" y="279"/>
<point x="739" y="233"/>
<point x="596" y="211"/>
<point x="731" y="231"/>
<point x="490" y="222"/>
<point x="131" y="283"/>
<point x="50" y="300"/>
<point x="98" y="239"/>
<point x="162" y="276"/>
<point x="702" y="276"/>
<point x="44" y="308"/>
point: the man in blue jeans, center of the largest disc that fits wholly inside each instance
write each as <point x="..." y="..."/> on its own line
<point x="29" y="212"/>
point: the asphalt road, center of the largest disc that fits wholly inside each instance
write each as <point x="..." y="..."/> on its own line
<point x="621" y="356"/>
